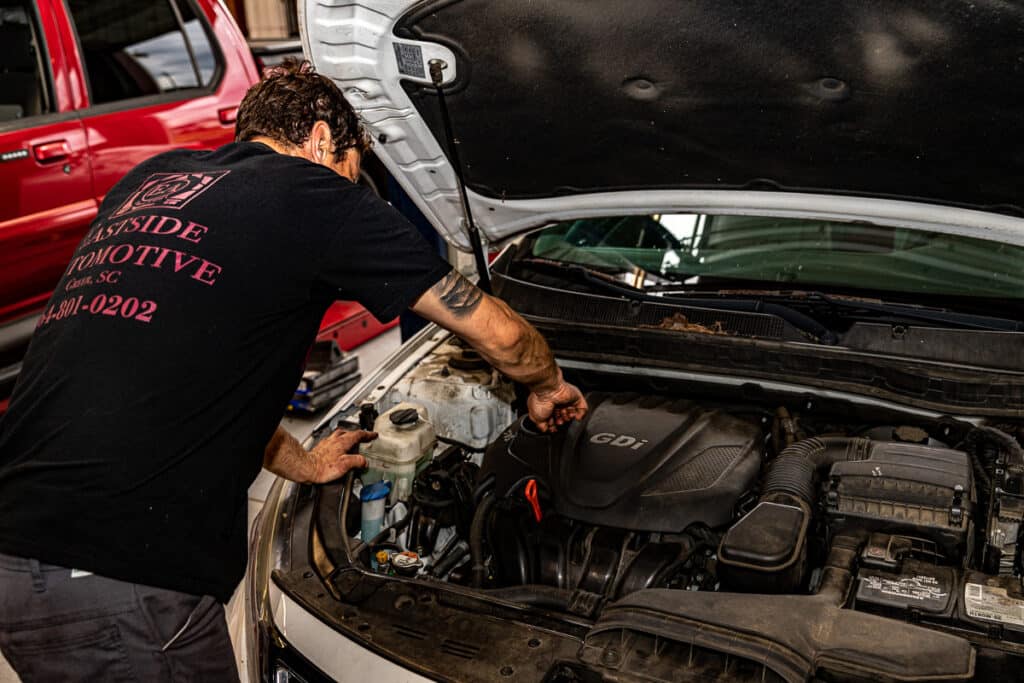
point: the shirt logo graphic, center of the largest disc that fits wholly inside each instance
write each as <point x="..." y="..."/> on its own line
<point x="169" y="191"/>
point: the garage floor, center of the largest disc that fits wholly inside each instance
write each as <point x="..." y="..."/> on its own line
<point x="370" y="355"/>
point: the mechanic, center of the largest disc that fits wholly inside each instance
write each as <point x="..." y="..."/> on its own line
<point x="151" y="390"/>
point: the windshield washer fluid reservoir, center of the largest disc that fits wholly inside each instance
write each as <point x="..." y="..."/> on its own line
<point x="468" y="400"/>
<point x="405" y="443"/>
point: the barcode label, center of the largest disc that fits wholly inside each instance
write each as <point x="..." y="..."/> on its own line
<point x="992" y="603"/>
<point x="410" y="60"/>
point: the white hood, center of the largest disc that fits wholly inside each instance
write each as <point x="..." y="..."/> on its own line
<point x="354" y="44"/>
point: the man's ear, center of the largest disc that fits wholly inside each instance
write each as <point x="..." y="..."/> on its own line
<point x="320" y="143"/>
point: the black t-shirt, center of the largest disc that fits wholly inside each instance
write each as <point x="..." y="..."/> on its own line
<point x="169" y="350"/>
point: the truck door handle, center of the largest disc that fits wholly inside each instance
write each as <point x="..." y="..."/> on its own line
<point x="55" y="150"/>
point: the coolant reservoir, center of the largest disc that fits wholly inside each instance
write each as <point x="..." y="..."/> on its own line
<point x="468" y="400"/>
<point x="405" y="442"/>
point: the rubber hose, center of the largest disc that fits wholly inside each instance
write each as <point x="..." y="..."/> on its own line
<point x="792" y="472"/>
<point x="536" y="595"/>
<point x="450" y="560"/>
<point x="476" y="539"/>
<point x="700" y="534"/>
<point x="1005" y="440"/>
<point x="459" y="444"/>
<point x="837" y="577"/>
<point x="483" y="488"/>
<point x="981" y="474"/>
<point x="345" y="498"/>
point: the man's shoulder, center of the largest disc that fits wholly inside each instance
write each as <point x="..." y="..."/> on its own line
<point x="256" y="167"/>
<point x="312" y="186"/>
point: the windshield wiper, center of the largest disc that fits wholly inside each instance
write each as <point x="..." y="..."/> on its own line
<point x="604" y="282"/>
<point x="854" y="307"/>
<point x="911" y="312"/>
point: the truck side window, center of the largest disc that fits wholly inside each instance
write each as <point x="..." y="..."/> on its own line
<point x="23" y="82"/>
<point x="196" y="34"/>
<point x="134" y="48"/>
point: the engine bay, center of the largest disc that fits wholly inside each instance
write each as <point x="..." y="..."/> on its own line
<point x="755" y="520"/>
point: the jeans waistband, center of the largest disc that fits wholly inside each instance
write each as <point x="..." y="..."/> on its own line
<point x="24" y="564"/>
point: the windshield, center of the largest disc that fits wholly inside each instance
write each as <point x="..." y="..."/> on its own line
<point x="691" y="249"/>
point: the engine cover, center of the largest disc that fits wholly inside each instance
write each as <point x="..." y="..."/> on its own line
<point x="635" y="462"/>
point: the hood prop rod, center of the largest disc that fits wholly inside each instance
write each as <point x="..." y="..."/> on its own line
<point x="436" y="67"/>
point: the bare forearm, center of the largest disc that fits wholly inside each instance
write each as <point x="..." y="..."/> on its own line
<point x="487" y="323"/>
<point x="509" y="343"/>
<point x="285" y="457"/>
<point x="517" y="349"/>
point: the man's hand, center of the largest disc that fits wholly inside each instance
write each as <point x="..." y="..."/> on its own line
<point x="551" y="409"/>
<point x="328" y="460"/>
<point x="334" y="456"/>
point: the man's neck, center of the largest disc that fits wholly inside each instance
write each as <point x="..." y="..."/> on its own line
<point x="349" y="171"/>
<point x="288" y="150"/>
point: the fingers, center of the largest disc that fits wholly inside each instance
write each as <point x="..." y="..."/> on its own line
<point x="561" y="408"/>
<point x="360" y="434"/>
<point x="350" y="462"/>
<point x="339" y="467"/>
<point x="347" y="440"/>
<point x="333" y="456"/>
<point x="540" y="411"/>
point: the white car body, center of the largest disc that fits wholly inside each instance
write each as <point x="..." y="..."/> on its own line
<point x="355" y="44"/>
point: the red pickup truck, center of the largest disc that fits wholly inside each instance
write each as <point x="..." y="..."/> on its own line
<point x="88" y="89"/>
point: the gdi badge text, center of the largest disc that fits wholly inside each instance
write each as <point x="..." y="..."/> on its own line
<point x="619" y="440"/>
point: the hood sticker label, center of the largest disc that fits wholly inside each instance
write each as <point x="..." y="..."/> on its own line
<point x="991" y="603"/>
<point x="410" y="60"/>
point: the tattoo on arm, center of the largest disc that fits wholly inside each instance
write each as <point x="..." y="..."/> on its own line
<point x="459" y="295"/>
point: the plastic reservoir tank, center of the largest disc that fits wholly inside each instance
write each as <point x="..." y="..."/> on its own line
<point x="404" y="445"/>
<point x="467" y="399"/>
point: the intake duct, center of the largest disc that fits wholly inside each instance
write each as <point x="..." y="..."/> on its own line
<point x="766" y="551"/>
<point x="889" y="486"/>
<point x="792" y="472"/>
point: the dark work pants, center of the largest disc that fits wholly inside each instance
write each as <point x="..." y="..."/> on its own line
<point x="90" y="628"/>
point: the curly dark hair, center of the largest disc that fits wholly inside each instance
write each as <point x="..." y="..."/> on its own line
<point x="290" y="99"/>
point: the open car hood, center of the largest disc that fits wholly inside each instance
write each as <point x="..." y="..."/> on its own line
<point x="903" y="114"/>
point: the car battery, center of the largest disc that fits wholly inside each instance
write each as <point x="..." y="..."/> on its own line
<point x="919" y="588"/>
<point x="901" y="578"/>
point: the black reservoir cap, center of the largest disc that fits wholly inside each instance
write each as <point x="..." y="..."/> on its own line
<point x="405" y="416"/>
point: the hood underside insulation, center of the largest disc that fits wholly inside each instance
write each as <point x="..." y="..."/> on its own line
<point x="918" y="100"/>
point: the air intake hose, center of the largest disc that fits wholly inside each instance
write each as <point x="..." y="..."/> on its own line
<point x="766" y="551"/>
<point x="792" y="472"/>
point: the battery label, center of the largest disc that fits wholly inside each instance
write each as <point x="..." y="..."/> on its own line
<point x="909" y="587"/>
<point x="991" y="603"/>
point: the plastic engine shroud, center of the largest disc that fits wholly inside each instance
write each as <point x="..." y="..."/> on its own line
<point x="635" y="462"/>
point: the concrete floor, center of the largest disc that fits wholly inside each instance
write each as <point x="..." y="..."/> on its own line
<point x="370" y="355"/>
